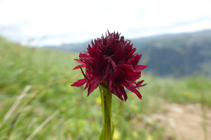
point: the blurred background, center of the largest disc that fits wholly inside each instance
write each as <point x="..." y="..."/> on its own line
<point x="40" y="38"/>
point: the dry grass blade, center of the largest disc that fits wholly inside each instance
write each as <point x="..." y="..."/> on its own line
<point x="16" y="103"/>
<point x="42" y="125"/>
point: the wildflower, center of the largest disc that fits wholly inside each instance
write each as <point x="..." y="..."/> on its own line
<point x="149" y="137"/>
<point x="135" y="134"/>
<point x="187" y="94"/>
<point x="112" y="62"/>
<point x="116" y="135"/>
<point x="98" y="100"/>
<point x="63" y="109"/>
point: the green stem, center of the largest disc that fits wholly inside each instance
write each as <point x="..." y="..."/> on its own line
<point x="106" y="97"/>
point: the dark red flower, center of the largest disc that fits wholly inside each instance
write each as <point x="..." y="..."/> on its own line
<point x="111" y="60"/>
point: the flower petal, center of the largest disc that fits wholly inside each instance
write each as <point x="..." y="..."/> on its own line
<point x="82" y="66"/>
<point x="122" y="90"/>
<point x="134" y="59"/>
<point x="94" y="84"/>
<point x="140" y="82"/>
<point x="79" y="61"/>
<point x="138" y="85"/>
<point x="138" y="68"/>
<point x="116" y="91"/>
<point x="119" y="56"/>
<point x="79" y="83"/>
<point x="132" y="89"/>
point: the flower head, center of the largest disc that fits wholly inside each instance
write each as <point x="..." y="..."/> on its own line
<point x="112" y="62"/>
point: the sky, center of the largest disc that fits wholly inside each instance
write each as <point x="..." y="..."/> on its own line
<point x="54" y="22"/>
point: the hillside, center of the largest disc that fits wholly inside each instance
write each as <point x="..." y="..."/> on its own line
<point x="170" y="54"/>
<point x="38" y="103"/>
<point x="178" y="55"/>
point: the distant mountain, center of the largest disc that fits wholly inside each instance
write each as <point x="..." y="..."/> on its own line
<point x="178" y="54"/>
<point x="169" y="54"/>
<point x="72" y="47"/>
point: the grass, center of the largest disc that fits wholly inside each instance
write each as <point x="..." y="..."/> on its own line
<point x="51" y="109"/>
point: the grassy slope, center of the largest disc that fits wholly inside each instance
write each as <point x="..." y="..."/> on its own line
<point x="50" y="75"/>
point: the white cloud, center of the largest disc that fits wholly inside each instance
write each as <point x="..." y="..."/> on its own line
<point x="84" y="19"/>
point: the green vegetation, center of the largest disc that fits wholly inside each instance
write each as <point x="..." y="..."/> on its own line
<point x="68" y="109"/>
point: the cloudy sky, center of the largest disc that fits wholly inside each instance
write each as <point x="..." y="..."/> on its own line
<point x="62" y="21"/>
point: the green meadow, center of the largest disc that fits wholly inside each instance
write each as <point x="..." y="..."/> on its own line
<point x="38" y="103"/>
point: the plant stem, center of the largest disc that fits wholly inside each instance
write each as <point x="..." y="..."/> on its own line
<point x="106" y="97"/>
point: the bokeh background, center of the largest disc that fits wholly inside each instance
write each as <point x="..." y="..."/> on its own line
<point x="40" y="38"/>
